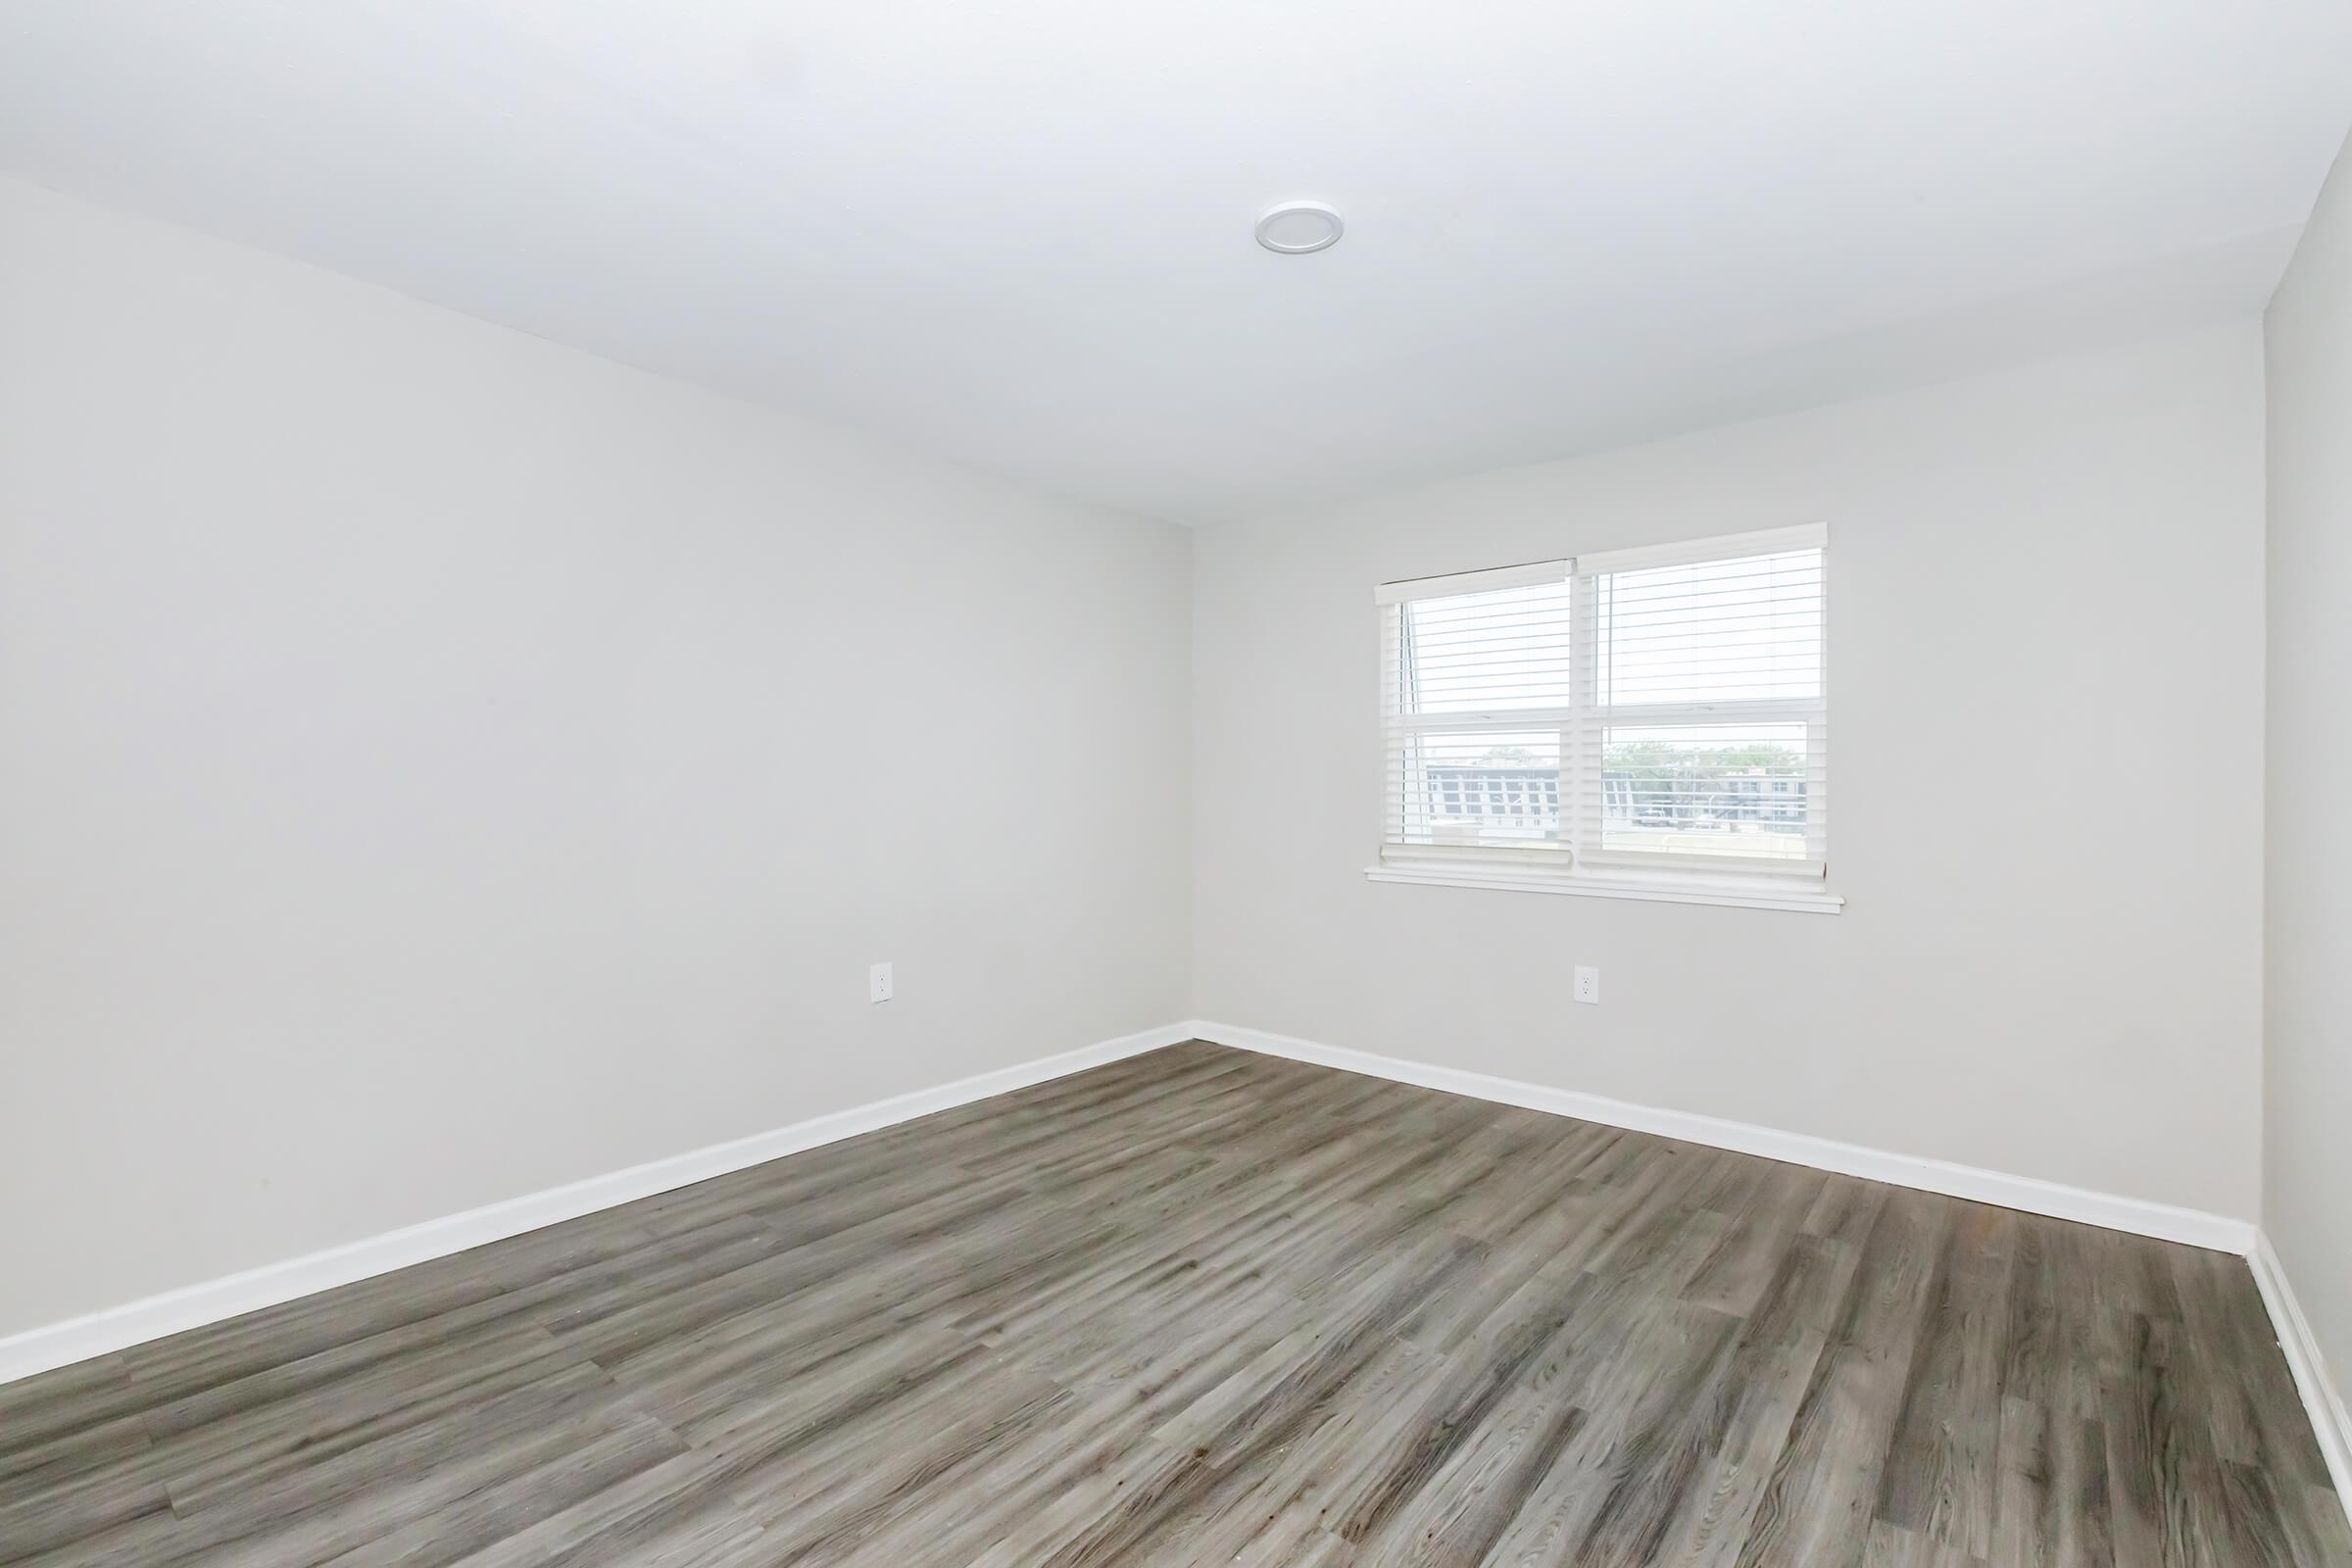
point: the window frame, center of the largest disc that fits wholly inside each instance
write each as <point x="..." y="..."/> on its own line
<point x="1578" y="863"/>
<point x="1396" y="675"/>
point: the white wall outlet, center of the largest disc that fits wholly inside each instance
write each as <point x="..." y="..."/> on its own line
<point x="878" y="983"/>
<point x="1588" y="984"/>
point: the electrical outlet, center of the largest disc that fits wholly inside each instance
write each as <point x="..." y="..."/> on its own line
<point x="1588" y="984"/>
<point x="878" y="983"/>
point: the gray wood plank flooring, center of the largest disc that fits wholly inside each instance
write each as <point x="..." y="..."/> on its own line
<point x="1206" y="1307"/>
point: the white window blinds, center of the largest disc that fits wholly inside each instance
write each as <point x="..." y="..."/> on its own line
<point x="1479" y="698"/>
<point x="1664" y="708"/>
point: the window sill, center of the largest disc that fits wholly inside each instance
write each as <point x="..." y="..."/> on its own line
<point x="1606" y="885"/>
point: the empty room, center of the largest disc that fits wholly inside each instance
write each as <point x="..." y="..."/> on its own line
<point x="1052" y="784"/>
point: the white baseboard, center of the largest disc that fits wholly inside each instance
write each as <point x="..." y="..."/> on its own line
<point x="2027" y="1192"/>
<point x="2328" y="1420"/>
<point x="134" y="1323"/>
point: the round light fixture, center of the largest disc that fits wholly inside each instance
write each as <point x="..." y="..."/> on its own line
<point x="1296" y="227"/>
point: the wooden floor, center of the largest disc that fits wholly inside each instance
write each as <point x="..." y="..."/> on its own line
<point x="1206" y="1308"/>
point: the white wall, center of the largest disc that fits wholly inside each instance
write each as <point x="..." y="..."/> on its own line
<point x="2307" y="1148"/>
<point x="438" y="765"/>
<point x="2045" y="645"/>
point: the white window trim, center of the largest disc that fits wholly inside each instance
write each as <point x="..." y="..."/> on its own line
<point x="1724" y="880"/>
<point x="1663" y="886"/>
<point x="1697" y="552"/>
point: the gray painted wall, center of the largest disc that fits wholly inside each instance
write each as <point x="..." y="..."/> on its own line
<point x="440" y="765"/>
<point x="2307" y="1151"/>
<point x="2045" y="645"/>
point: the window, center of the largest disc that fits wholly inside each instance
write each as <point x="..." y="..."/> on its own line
<point x="1651" y="717"/>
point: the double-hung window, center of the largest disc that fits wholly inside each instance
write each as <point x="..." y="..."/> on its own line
<point x="1652" y="722"/>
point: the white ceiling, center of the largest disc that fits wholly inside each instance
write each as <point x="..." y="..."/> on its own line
<point x="1019" y="232"/>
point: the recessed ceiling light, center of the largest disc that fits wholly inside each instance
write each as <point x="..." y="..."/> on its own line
<point x="1296" y="227"/>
